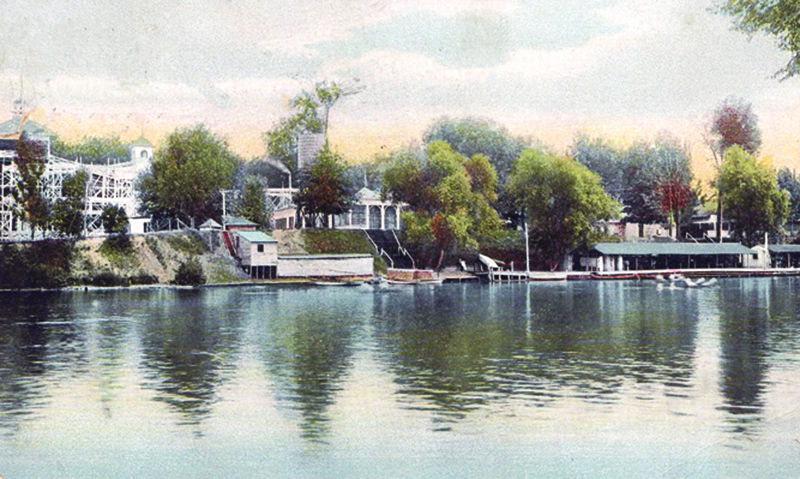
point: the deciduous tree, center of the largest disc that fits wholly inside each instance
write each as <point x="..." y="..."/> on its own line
<point x="562" y="201"/>
<point x="754" y="203"/>
<point x="448" y="199"/>
<point x="777" y="18"/>
<point x="253" y="205"/>
<point x="325" y="190"/>
<point x="187" y="174"/>
<point x="31" y="162"/>
<point x="68" y="211"/>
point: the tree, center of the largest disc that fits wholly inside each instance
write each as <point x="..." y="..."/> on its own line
<point x="449" y="199"/>
<point x="31" y="162"/>
<point x="187" y="175"/>
<point x="324" y="191"/>
<point x="281" y="141"/>
<point x="777" y="18"/>
<point x="92" y="149"/>
<point x="68" y="211"/>
<point x="603" y="159"/>
<point x="754" y="203"/>
<point x="733" y="124"/>
<point x="789" y="182"/>
<point x="253" y="205"/>
<point x="190" y="273"/>
<point x="562" y="200"/>
<point x="471" y="136"/>
<point x="115" y="223"/>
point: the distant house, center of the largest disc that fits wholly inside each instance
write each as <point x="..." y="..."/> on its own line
<point x="644" y="256"/>
<point x="257" y="253"/>
<point x="210" y="225"/>
<point x="369" y="211"/>
<point x="704" y="226"/>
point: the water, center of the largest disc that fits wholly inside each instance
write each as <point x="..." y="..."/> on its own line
<point x="578" y="379"/>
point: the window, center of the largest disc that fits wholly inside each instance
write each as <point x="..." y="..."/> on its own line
<point x="260" y="248"/>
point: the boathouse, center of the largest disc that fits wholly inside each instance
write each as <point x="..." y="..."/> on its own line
<point x="257" y="253"/>
<point x="652" y="256"/>
<point x="785" y="255"/>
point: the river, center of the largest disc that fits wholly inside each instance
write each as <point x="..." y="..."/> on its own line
<point x="568" y="379"/>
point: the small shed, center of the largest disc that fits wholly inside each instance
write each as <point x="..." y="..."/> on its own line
<point x="650" y="256"/>
<point x="234" y="223"/>
<point x="210" y="225"/>
<point x="258" y="253"/>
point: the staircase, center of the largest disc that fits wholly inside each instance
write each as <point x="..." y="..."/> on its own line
<point x="386" y="244"/>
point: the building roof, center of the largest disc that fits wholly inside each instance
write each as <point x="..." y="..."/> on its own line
<point x="11" y="127"/>
<point x="210" y="224"/>
<point x="236" y="221"/>
<point x="256" y="237"/>
<point x="141" y="141"/>
<point x="684" y="249"/>
<point x="784" y="248"/>
<point x="323" y="256"/>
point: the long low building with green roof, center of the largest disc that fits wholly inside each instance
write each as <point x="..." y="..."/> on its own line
<point x="657" y="256"/>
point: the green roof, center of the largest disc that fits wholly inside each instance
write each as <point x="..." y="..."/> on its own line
<point x="141" y="141"/>
<point x="256" y="237"/>
<point x="675" y="249"/>
<point x="11" y="127"/>
<point x="784" y="248"/>
<point x="236" y="221"/>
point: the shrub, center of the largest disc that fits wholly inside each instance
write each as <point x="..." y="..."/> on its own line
<point x="190" y="273"/>
<point x="107" y="278"/>
<point x="143" y="278"/>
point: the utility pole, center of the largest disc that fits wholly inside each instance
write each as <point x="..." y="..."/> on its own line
<point x="224" y="207"/>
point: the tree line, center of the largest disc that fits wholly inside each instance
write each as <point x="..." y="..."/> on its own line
<point x="471" y="186"/>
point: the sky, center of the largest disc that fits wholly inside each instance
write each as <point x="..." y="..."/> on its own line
<point x="620" y="69"/>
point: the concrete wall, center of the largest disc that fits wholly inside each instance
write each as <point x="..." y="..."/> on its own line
<point x="299" y="266"/>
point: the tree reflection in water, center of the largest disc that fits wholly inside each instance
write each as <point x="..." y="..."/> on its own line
<point x="41" y="345"/>
<point x="455" y="350"/>
<point x="758" y="318"/>
<point x="189" y="351"/>
<point x="307" y="349"/>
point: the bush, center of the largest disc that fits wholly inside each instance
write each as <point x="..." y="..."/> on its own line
<point x="107" y="278"/>
<point x="143" y="278"/>
<point x="190" y="273"/>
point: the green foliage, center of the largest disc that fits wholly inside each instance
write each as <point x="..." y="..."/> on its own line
<point x="449" y="200"/>
<point x="252" y="205"/>
<point x="340" y="242"/>
<point x="325" y="190"/>
<point x="190" y="273"/>
<point x="472" y="136"/>
<point x="108" y="279"/>
<point x="789" y="182"/>
<point x="68" y="211"/>
<point x="651" y="180"/>
<point x="187" y="244"/>
<point x="776" y="18"/>
<point x="562" y="201"/>
<point x="143" y="279"/>
<point x="281" y="141"/>
<point x="754" y="203"/>
<point x="92" y="149"/>
<point x="43" y="264"/>
<point x="114" y="219"/>
<point x="118" y="250"/>
<point x="31" y="161"/>
<point x="187" y="175"/>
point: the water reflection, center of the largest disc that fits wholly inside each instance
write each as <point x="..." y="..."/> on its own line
<point x="752" y="315"/>
<point x="189" y="346"/>
<point x="459" y="349"/>
<point x="307" y="348"/>
<point x="41" y="346"/>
